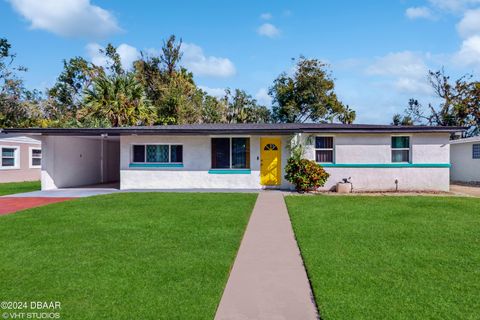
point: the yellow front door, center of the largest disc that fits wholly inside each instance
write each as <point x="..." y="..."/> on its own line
<point x="270" y="161"/>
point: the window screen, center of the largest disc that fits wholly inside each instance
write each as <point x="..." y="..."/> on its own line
<point x="400" y="149"/>
<point x="8" y="157"/>
<point x="476" y="151"/>
<point x="176" y="152"/>
<point x="324" y="149"/>
<point x="138" y="153"/>
<point x="220" y="153"/>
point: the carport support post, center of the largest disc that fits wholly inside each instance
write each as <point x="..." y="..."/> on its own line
<point x="102" y="156"/>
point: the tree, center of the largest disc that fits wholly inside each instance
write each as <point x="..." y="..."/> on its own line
<point x="171" y="54"/>
<point x="459" y="106"/>
<point x="114" y="64"/>
<point x="170" y="87"/>
<point x="347" y="116"/>
<point x="213" y="110"/>
<point x="242" y="108"/>
<point x="19" y="107"/>
<point x="307" y="95"/>
<point x="65" y="98"/>
<point x="119" y="99"/>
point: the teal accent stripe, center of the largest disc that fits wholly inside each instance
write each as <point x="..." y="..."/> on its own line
<point x="385" y="165"/>
<point x="156" y="165"/>
<point x="229" y="171"/>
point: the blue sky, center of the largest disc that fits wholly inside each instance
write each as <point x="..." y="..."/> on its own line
<point x="379" y="51"/>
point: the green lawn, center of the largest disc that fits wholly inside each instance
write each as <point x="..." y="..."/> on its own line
<point x="125" y="256"/>
<point x="18" y="187"/>
<point x="391" y="257"/>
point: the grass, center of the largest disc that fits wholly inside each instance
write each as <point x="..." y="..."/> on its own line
<point x="125" y="256"/>
<point x="391" y="257"/>
<point x="18" y="187"/>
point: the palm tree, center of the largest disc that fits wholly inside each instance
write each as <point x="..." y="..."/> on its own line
<point x="120" y="99"/>
<point x="347" y="116"/>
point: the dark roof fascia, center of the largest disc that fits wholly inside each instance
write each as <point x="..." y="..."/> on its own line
<point x="224" y="131"/>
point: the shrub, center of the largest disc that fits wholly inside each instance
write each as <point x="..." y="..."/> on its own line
<point x="305" y="174"/>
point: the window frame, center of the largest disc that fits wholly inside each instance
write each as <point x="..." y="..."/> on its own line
<point x="409" y="149"/>
<point x="476" y="153"/>
<point x="170" y="144"/>
<point x="30" y="158"/>
<point x="324" y="149"/>
<point x="16" y="158"/>
<point x="231" y="152"/>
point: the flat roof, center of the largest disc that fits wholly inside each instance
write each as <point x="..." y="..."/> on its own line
<point x="466" y="140"/>
<point x="237" y="128"/>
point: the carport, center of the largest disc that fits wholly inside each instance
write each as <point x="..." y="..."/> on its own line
<point x="77" y="161"/>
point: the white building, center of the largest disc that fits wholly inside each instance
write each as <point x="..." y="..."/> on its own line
<point x="244" y="156"/>
<point x="465" y="159"/>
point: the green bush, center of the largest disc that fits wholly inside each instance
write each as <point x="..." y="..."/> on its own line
<point x="305" y="174"/>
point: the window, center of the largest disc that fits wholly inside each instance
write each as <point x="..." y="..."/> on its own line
<point x="230" y="153"/>
<point x="400" y="149"/>
<point x="9" y="157"/>
<point x="35" y="158"/>
<point x="476" y="151"/>
<point x="324" y="149"/>
<point x="158" y="153"/>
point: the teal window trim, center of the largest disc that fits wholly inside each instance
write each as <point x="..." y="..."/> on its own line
<point x="230" y="171"/>
<point x="156" y="165"/>
<point x="385" y="165"/>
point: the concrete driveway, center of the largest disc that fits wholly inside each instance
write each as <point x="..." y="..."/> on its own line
<point x="465" y="189"/>
<point x="64" y="193"/>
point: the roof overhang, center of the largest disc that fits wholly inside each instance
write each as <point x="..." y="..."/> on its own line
<point x="267" y="129"/>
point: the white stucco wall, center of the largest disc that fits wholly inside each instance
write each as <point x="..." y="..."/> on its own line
<point x="349" y="149"/>
<point x="197" y="163"/>
<point x="464" y="167"/>
<point x="69" y="161"/>
<point x="375" y="149"/>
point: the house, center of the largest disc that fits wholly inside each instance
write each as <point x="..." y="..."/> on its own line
<point x="244" y="156"/>
<point x="20" y="159"/>
<point x="465" y="159"/>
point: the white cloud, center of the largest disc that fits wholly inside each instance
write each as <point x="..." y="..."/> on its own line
<point x="415" y="86"/>
<point x="402" y="64"/>
<point x="266" y="16"/>
<point x="419" y="12"/>
<point x="263" y="98"/>
<point x="453" y="5"/>
<point x="127" y="54"/>
<point x="93" y="52"/>
<point x="196" y="61"/>
<point x="268" y="30"/>
<point x="469" y="54"/>
<point x="69" y="18"/>
<point x="216" y="92"/>
<point x="470" y="23"/>
<point x="405" y="71"/>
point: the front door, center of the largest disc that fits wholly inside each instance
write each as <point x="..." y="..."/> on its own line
<point x="270" y="161"/>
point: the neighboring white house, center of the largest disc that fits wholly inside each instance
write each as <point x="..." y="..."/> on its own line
<point x="465" y="159"/>
<point x="20" y="158"/>
<point x="244" y="156"/>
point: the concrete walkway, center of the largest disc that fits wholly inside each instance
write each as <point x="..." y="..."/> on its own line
<point x="268" y="279"/>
